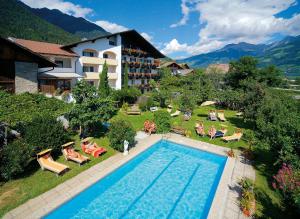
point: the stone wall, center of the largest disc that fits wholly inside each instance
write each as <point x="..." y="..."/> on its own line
<point x="26" y="77"/>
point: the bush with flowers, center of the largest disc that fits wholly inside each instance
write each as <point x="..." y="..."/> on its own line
<point x="287" y="181"/>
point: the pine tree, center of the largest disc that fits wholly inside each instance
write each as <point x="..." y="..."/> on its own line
<point x="104" y="86"/>
<point x="125" y="85"/>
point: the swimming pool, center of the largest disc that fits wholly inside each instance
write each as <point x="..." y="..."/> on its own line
<point x="167" y="180"/>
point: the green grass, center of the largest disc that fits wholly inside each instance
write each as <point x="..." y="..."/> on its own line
<point x="200" y="113"/>
<point x="15" y="192"/>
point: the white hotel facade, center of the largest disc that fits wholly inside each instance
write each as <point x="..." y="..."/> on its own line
<point x="84" y="60"/>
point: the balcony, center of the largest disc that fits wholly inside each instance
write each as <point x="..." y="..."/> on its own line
<point x="95" y="76"/>
<point x="98" y="61"/>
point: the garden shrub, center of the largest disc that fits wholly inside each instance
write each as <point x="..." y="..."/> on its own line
<point x="129" y="95"/>
<point x="162" y="119"/>
<point x="146" y="103"/>
<point x="15" y="158"/>
<point x="121" y="130"/>
<point x="23" y="107"/>
<point x="45" y="132"/>
<point x="186" y="102"/>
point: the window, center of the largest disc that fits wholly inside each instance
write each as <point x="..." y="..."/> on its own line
<point x="88" y="69"/>
<point x="91" y="83"/>
<point x="112" y="43"/>
<point x="59" y="63"/>
<point x="88" y="54"/>
<point x="63" y="63"/>
<point x="105" y="56"/>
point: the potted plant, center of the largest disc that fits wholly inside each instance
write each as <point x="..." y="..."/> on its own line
<point x="230" y="153"/>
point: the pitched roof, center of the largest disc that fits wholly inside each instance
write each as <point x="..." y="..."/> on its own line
<point x="44" y="48"/>
<point x="222" y="67"/>
<point x="167" y="64"/>
<point x="41" y="60"/>
<point x="128" y="33"/>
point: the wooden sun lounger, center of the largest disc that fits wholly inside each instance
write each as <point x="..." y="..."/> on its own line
<point x="47" y="163"/>
<point x="235" y="137"/>
<point x="221" y="116"/>
<point x="177" y="113"/>
<point x="79" y="160"/>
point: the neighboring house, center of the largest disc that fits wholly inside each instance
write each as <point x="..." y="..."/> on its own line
<point x="63" y="76"/>
<point x="85" y="60"/>
<point x="118" y="49"/>
<point x="19" y="67"/>
<point x="177" y="69"/>
<point x="217" y="68"/>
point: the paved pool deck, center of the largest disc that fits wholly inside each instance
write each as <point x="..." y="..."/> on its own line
<point x="225" y="203"/>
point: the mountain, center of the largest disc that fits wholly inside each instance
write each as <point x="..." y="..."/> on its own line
<point x="78" y="26"/>
<point x="285" y="54"/>
<point x="17" y="21"/>
<point x="226" y="54"/>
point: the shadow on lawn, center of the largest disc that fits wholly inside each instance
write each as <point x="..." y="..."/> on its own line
<point x="240" y="123"/>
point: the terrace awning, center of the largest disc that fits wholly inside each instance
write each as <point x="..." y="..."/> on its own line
<point x="49" y="75"/>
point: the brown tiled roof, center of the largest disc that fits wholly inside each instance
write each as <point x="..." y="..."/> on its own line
<point x="222" y="67"/>
<point x="44" y="48"/>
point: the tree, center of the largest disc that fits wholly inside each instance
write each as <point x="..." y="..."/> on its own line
<point x="125" y="85"/>
<point x="245" y="67"/>
<point x="121" y="130"/>
<point x="90" y="112"/>
<point x="271" y="75"/>
<point x="104" y="88"/>
<point x="278" y="124"/>
<point x="83" y="91"/>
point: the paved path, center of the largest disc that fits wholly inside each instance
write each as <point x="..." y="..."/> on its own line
<point x="225" y="203"/>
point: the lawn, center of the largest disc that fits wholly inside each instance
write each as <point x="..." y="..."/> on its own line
<point x="200" y="114"/>
<point x="15" y="192"/>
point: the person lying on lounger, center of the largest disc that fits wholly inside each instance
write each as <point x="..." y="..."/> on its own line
<point x="72" y="153"/>
<point x="212" y="132"/>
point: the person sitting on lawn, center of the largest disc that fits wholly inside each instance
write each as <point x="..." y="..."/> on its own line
<point x="212" y="132"/>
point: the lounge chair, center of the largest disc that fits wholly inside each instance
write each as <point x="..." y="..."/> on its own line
<point x="199" y="128"/>
<point x="80" y="159"/>
<point x="178" y="130"/>
<point x="153" y="109"/>
<point x="220" y="133"/>
<point x="91" y="148"/>
<point x="212" y="116"/>
<point x="187" y="116"/>
<point x="221" y="115"/>
<point x="134" y="110"/>
<point x="47" y="163"/>
<point x="237" y="135"/>
<point x="208" y="103"/>
<point x="177" y="113"/>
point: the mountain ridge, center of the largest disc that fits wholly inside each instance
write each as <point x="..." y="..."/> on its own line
<point x="75" y="25"/>
<point x="284" y="53"/>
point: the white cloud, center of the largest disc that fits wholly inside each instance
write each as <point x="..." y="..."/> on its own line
<point x="185" y="12"/>
<point x="174" y="46"/>
<point x="147" y="36"/>
<point x="111" y="27"/>
<point x="233" y="21"/>
<point x="64" y="6"/>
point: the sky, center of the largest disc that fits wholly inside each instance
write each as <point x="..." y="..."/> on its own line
<point x="183" y="28"/>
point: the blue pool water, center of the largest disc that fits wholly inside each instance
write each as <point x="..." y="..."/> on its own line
<point x="168" y="180"/>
